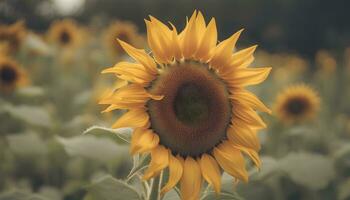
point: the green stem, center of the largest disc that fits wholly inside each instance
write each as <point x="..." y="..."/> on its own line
<point x="155" y="188"/>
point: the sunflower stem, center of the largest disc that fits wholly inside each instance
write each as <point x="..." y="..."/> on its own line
<point x="155" y="188"/>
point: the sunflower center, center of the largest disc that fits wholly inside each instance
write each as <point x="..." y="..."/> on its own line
<point x="65" y="37"/>
<point x="297" y="106"/>
<point x="193" y="116"/>
<point x="7" y="74"/>
<point x="191" y="105"/>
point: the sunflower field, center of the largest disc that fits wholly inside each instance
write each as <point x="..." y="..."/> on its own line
<point x="188" y="100"/>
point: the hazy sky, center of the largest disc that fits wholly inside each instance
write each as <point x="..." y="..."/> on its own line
<point x="68" y="6"/>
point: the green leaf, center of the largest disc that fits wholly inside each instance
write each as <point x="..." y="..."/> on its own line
<point x="342" y="152"/>
<point x="33" y="115"/>
<point x="109" y="188"/>
<point x="31" y="91"/>
<point x="171" y="195"/>
<point x="222" y="196"/>
<point x="17" y="195"/>
<point x="27" y="144"/>
<point x="344" y="191"/>
<point x="99" y="149"/>
<point x="310" y="170"/>
<point x="123" y="134"/>
<point x="51" y="193"/>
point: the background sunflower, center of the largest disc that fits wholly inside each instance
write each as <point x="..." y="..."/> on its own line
<point x="65" y="33"/>
<point x="297" y="103"/>
<point x="11" y="75"/>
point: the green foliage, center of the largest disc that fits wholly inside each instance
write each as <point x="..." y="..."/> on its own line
<point x="109" y="188"/>
<point x="310" y="170"/>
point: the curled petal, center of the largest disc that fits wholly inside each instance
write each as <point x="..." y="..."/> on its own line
<point x="175" y="173"/>
<point x="248" y="116"/>
<point x="231" y="160"/>
<point x="242" y="135"/>
<point x="143" y="140"/>
<point x="247" y="98"/>
<point x="252" y="154"/>
<point x="159" y="161"/>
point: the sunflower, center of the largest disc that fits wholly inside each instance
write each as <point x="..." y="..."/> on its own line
<point x="297" y="103"/>
<point x="12" y="36"/>
<point x="11" y="75"/>
<point x="187" y="104"/>
<point x="123" y="30"/>
<point x="65" y="33"/>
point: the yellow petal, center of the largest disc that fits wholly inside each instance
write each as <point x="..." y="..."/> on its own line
<point x="240" y="59"/>
<point x="231" y="160"/>
<point x="131" y="72"/>
<point x="159" y="39"/>
<point x="143" y="140"/>
<point x="176" y="44"/>
<point x="190" y="41"/>
<point x="200" y="26"/>
<point x="211" y="171"/>
<point x="132" y="95"/>
<point x="175" y="173"/>
<point x="133" y="118"/>
<point x="241" y="56"/>
<point x="249" y="116"/>
<point x="191" y="180"/>
<point x="159" y="161"/>
<point x="140" y="56"/>
<point x="247" y="76"/>
<point x="223" y="52"/>
<point x="243" y="135"/>
<point x="252" y="154"/>
<point x="247" y="98"/>
<point x="208" y="42"/>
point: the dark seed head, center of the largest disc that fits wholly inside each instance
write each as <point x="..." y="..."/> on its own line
<point x="195" y="112"/>
<point x="7" y="74"/>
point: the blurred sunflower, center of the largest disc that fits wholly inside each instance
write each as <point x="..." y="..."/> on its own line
<point x="297" y="103"/>
<point x="12" y="36"/>
<point x="65" y="33"/>
<point x="326" y="62"/>
<point x="122" y="30"/>
<point x="11" y="75"/>
<point x="188" y="106"/>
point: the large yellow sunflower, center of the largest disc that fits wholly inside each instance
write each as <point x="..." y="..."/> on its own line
<point x="122" y="30"/>
<point x="65" y="33"/>
<point x="187" y="104"/>
<point x="297" y="103"/>
<point x="12" y="35"/>
<point x="11" y="75"/>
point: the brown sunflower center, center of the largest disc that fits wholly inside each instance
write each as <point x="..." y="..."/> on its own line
<point x="7" y="74"/>
<point x="194" y="114"/>
<point x="65" y="37"/>
<point x="297" y="106"/>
